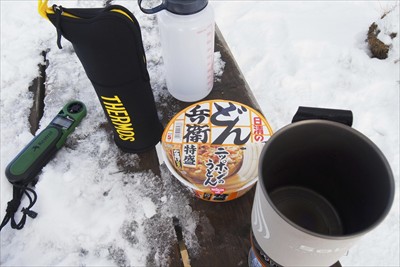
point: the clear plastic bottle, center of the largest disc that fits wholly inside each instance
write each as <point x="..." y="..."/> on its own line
<point x="187" y="29"/>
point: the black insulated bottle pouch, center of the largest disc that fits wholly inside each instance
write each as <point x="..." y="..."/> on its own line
<point x="108" y="43"/>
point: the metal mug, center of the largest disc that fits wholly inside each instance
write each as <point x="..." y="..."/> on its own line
<point x="322" y="186"/>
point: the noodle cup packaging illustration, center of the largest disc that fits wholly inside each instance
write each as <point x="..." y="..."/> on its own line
<point x="322" y="186"/>
<point x="213" y="147"/>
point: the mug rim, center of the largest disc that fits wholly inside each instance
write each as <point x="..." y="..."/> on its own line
<point x="350" y="130"/>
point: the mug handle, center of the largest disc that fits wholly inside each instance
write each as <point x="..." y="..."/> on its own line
<point x="336" y="115"/>
<point x="151" y="10"/>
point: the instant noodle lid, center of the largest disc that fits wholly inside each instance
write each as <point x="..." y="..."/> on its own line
<point x="213" y="148"/>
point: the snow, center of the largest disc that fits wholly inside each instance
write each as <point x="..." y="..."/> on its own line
<point x="292" y="53"/>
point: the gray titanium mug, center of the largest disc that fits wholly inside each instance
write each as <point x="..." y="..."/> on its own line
<point x="322" y="186"/>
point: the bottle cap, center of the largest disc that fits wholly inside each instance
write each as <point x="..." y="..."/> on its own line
<point x="180" y="7"/>
<point x="185" y="7"/>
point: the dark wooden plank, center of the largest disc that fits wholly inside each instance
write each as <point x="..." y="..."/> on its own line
<point x="225" y="238"/>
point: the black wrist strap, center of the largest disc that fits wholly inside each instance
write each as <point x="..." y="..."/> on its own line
<point x="336" y="115"/>
<point x="13" y="205"/>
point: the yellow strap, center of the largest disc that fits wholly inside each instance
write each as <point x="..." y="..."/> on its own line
<point x="123" y="13"/>
<point x="44" y="9"/>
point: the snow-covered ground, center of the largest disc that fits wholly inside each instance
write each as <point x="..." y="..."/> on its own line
<point x="292" y="53"/>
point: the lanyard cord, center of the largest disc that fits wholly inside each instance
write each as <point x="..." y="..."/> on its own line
<point x="13" y="205"/>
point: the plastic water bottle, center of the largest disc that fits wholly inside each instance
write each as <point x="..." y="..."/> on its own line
<point x="187" y="30"/>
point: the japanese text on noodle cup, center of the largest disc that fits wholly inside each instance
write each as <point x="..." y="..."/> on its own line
<point x="213" y="147"/>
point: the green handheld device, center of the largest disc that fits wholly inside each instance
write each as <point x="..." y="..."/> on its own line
<point x="28" y="163"/>
<point x="23" y="169"/>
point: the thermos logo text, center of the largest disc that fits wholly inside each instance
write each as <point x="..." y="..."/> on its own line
<point x="119" y="117"/>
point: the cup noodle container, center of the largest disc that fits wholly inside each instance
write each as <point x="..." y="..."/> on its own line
<point x="212" y="147"/>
